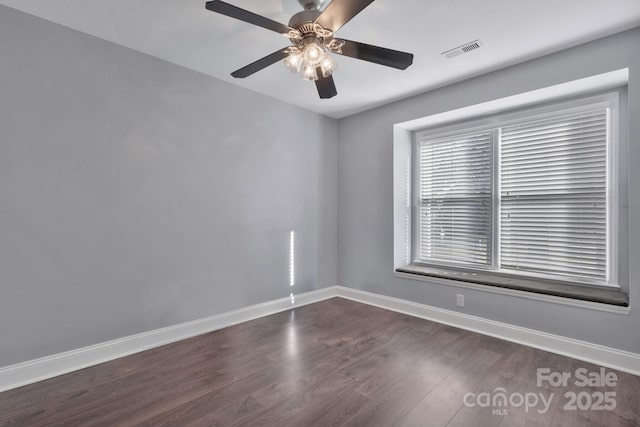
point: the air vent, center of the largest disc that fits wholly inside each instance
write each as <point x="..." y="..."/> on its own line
<point x="467" y="47"/>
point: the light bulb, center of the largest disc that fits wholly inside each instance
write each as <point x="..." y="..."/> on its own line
<point x="313" y="54"/>
<point x="293" y="61"/>
<point x="309" y="73"/>
<point x="328" y="65"/>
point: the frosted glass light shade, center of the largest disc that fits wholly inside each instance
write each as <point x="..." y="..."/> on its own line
<point x="313" y="54"/>
<point x="328" y="65"/>
<point x="293" y="62"/>
<point x="309" y="72"/>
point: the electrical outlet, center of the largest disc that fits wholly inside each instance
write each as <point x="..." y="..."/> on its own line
<point x="460" y="300"/>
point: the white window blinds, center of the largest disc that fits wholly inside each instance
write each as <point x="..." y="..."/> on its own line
<point x="522" y="194"/>
<point x="553" y="180"/>
<point x="455" y="206"/>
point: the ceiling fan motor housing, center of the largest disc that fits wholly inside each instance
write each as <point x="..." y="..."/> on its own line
<point x="303" y="21"/>
<point x="311" y="4"/>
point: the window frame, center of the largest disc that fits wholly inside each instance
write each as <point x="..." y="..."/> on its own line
<point x="609" y="99"/>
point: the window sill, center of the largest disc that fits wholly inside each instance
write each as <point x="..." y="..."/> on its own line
<point x="616" y="299"/>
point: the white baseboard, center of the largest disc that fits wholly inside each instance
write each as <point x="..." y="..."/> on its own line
<point x="50" y="366"/>
<point x="600" y="355"/>
<point x="47" y="367"/>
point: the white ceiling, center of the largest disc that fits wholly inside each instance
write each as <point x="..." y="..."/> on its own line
<point x="185" y="33"/>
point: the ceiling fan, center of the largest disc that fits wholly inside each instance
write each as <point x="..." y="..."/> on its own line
<point x="312" y="43"/>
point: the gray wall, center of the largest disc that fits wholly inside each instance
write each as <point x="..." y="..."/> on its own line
<point x="365" y="199"/>
<point x="136" y="194"/>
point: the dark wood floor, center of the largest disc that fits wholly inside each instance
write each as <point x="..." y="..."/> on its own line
<point x="336" y="362"/>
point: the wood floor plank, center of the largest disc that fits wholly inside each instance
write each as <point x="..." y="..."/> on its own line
<point x="540" y="416"/>
<point x="296" y="374"/>
<point x="333" y="381"/>
<point x="336" y="362"/>
<point x="229" y="368"/>
<point x="507" y="374"/>
<point x="627" y="398"/>
<point x="423" y="368"/>
<point x="441" y="403"/>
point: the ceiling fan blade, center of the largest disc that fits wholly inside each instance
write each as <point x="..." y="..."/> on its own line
<point x="339" y="12"/>
<point x="376" y="54"/>
<point x="261" y="63"/>
<point x="246" y="16"/>
<point x="325" y="85"/>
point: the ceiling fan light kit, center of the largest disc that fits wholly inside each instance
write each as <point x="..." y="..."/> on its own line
<point x="309" y="53"/>
<point x="312" y="43"/>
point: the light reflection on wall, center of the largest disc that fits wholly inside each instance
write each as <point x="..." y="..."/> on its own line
<point x="292" y="273"/>
<point x="408" y="216"/>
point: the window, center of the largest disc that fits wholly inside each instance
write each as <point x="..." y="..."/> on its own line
<point x="530" y="194"/>
<point x="455" y="223"/>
